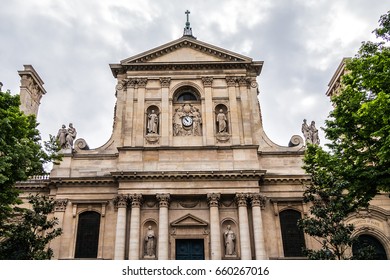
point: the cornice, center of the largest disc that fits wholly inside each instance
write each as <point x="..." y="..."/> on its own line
<point x="173" y="148"/>
<point x="227" y="175"/>
<point x="77" y="181"/>
<point x="254" y="67"/>
<point x="275" y="179"/>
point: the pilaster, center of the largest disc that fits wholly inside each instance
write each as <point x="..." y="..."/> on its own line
<point x="208" y="114"/>
<point x="165" y="83"/>
<point x="235" y="131"/>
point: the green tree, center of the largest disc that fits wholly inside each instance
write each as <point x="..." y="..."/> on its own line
<point x="30" y="231"/>
<point x="356" y="165"/>
<point x="21" y="155"/>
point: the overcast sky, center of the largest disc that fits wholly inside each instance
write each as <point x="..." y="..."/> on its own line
<point x="70" y="43"/>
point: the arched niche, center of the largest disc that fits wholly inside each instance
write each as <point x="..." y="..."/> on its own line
<point x="229" y="232"/>
<point x="187" y="117"/>
<point x="149" y="239"/>
<point x="152" y="120"/>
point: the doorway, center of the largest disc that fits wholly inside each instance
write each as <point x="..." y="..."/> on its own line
<point x="189" y="249"/>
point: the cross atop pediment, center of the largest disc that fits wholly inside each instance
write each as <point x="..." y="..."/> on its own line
<point x="187" y="28"/>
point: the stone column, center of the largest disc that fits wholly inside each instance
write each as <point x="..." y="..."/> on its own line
<point x="136" y="201"/>
<point x="215" y="229"/>
<point x="245" y="242"/>
<point x="258" y="202"/>
<point x="120" y="234"/>
<point x="163" y="223"/>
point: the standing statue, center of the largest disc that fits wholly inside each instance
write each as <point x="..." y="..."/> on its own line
<point x="152" y="122"/>
<point x="306" y="132"/>
<point x="314" y="133"/>
<point x="177" y="122"/>
<point x="66" y="137"/>
<point x="197" y="120"/>
<point x="222" y="121"/>
<point x="71" y="136"/>
<point x="149" y="243"/>
<point x="230" y="241"/>
<point x="61" y="136"/>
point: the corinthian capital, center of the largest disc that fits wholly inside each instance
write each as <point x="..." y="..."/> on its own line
<point x="163" y="198"/>
<point x="207" y="81"/>
<point x="165" y="81"/>
<point x="213" y="199"/>
<point x="257" y="200"/>
<point x="136" y="200"/>
<point x="121" y="201"/>
<point x="60" y="205"/>
<point x="241" y="199"/>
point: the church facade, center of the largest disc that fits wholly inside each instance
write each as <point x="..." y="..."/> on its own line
<point x="188" y="172"/>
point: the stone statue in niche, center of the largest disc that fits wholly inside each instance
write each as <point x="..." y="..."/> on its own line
<point x="152" y="123"/>
<point x="222" y="122"/>
<point x="230" y="242"/>
<point x="66" y="137"/>
<point x="150" y="251"/>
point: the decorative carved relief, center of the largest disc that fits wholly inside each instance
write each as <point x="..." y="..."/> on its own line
<point x="137" y="82"/>
<point x="60" y="205"/>
<point x="187" y="121"/>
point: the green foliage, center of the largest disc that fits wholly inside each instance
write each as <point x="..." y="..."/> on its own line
<point x="330" y="205"/>
<point x="359" y="125"/>
<point x="357" y="165"/>
<point x="21" y="153"/>
<point x="30" y="231"/>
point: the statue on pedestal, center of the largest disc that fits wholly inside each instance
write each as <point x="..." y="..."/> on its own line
<point x="150" y="251"/>
<point x="230" y="242"/>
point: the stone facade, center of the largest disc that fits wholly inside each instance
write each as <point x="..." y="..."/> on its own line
<point x="188" y="172"/>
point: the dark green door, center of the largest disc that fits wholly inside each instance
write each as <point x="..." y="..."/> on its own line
<point x="189" y="249"/>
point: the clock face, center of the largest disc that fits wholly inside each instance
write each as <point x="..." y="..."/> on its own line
<point x="187" y="121"/>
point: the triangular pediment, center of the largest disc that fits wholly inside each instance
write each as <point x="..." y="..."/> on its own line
<point x="189" y="220"/>
<point x="186" y="49"/>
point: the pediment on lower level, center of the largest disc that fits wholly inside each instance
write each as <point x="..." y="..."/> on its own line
<point x="189" y="220"/>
